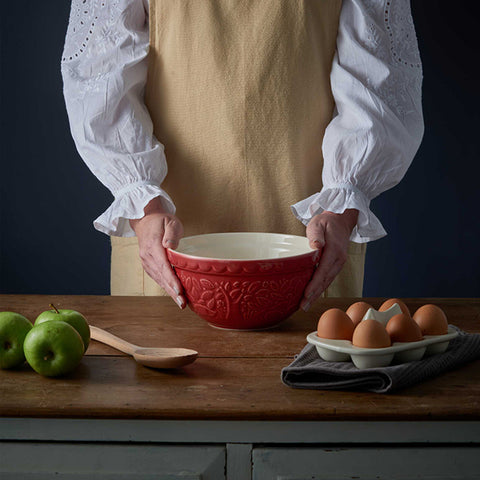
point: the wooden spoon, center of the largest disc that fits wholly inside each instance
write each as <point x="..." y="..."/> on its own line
<point x="150" y="357"/>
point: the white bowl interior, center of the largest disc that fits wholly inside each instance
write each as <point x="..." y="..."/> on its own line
<point x="244" y="246"/>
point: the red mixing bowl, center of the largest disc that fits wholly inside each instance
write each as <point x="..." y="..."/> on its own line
<point x="245" y="281"/>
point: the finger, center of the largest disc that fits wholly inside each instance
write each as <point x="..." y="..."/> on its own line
<point x="331" y="263"/>
<point x="173" y="232"/>
<point x="158" y="278"/>
<point x="171" y="282"/>
<point x="156" y="265"/>
<point x="327" y="260"/>
<point x="316" y="233"/>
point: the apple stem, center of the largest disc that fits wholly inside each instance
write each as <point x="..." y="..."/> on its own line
<point x="54" y="307"/>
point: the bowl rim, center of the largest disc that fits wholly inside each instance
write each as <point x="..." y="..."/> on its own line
<point x="240" y="260"/>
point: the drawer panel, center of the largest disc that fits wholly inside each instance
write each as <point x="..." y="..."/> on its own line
<point x="80" y="461"/>
<point x="392" y="463"/>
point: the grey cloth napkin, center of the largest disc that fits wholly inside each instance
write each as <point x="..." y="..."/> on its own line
<point x="308" y="370"/>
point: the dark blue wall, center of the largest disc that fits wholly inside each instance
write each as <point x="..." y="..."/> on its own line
<point x="432" y="216"/>
<point x="48" y="198"/>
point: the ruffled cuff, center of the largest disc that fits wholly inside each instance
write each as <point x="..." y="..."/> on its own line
<point x="129" y="204"/>
<point x="337" y="199"/>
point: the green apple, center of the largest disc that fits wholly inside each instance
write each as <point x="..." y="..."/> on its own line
<point x="13" y="330"/>
<point x="72" y="317"/>
<point x="53" y="348"/>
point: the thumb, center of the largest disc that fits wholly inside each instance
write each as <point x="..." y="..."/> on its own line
<point x="316" y="233"/>
<point x="173" y="233"/>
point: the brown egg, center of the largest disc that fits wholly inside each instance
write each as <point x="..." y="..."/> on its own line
<point x="402" y="328"/>
<point x="357" y="310"/>
<point x="389" y="303"/>
<point x="431" y="320"/>
<point x="335" y="324"/>
<point x="371" y="334"/>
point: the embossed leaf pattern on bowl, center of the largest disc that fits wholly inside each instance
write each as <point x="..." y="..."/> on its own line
<point x="269" y="300"/>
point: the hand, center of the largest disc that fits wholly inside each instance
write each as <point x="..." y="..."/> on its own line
<point x="156" y="231"/>
<point x="330" y="231"/>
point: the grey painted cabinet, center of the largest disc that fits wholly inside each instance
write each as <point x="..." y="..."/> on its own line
<point x="90" y="449"/>
<point x="90" y="461"/>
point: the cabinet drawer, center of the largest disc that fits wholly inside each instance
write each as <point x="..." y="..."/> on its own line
<point x="85" y="461"/>
<point x="392" y="463"/>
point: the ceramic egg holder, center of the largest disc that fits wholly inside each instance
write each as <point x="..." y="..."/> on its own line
<point x="400" y="352"/>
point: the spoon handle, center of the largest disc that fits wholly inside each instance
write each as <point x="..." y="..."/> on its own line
<point x="112" y="340"/>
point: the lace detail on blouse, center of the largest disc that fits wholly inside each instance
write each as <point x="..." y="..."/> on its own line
<point x="83" y="16"/>
<point x="93" y="33"/>
<point x="89" y="18"/>
<point x="400" y="28"/>
<point x="398" y="25"/>
<point x="400" y="51"/>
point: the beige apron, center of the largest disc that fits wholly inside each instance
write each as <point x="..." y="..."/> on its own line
<point x="239" y="94"/>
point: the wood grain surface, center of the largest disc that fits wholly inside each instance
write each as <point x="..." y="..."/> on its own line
<point x="237" y="374"/>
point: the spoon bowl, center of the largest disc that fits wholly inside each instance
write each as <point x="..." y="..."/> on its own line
<point x="148" y="356"/>
<point x="164" y="357"/>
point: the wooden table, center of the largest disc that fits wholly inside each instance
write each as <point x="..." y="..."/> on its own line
<point x="230" y="407"/>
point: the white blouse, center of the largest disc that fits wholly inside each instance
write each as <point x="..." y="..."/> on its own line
<point x="368" y="146"/>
